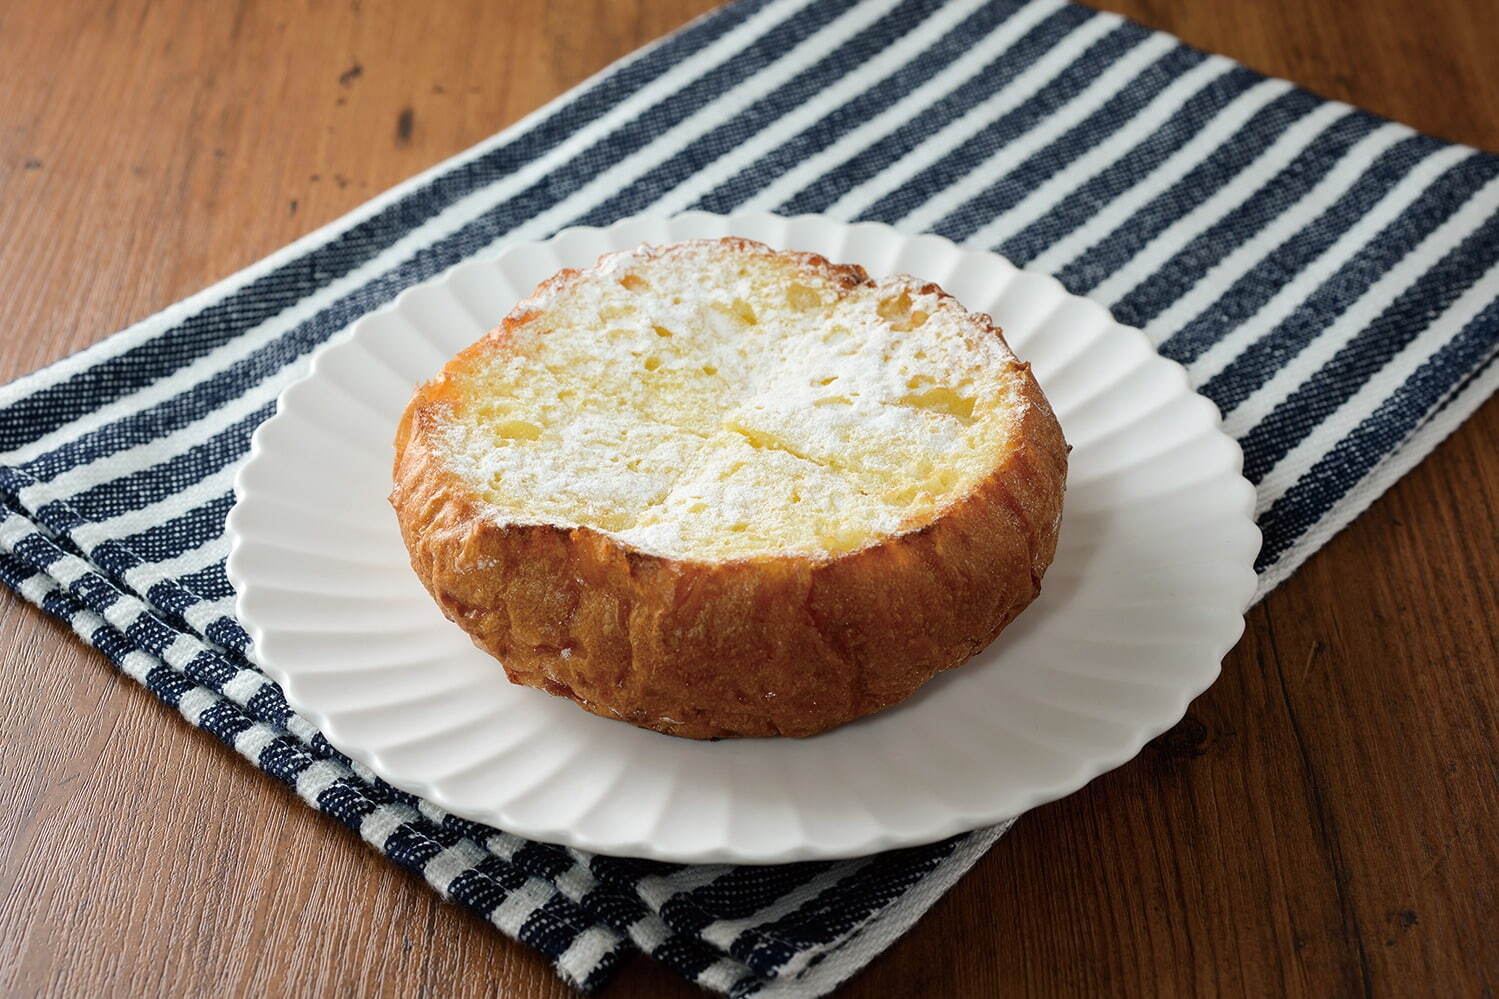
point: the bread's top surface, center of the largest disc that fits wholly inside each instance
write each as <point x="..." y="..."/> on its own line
<point x="713" y="401"/>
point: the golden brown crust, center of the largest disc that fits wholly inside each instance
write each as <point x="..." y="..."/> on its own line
<point x="784" y="645"/>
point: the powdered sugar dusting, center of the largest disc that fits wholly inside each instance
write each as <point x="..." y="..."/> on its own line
<point x="704" y="402"/>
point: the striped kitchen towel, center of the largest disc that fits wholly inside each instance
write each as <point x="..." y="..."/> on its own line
<point x="1327" y="277"/>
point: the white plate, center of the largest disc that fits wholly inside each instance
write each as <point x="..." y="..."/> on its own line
<point x="1145" y="597"/>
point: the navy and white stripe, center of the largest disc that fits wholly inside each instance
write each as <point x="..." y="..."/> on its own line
<point x="1330" y="280"/>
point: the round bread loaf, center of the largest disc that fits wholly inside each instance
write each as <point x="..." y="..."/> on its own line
<point x="713" y="489"/>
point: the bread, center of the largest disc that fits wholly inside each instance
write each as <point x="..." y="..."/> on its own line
<point x="716" y="490"/>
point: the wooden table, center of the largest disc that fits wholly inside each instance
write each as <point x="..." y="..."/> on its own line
<point x="1324" y="822"/>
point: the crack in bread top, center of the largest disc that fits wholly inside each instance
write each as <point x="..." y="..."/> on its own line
<point x="717" y="400"/>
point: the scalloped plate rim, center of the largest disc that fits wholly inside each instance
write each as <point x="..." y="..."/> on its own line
<point x="957" y="820"/>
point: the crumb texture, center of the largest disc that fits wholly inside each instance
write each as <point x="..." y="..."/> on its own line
<point x="701" y="403"/>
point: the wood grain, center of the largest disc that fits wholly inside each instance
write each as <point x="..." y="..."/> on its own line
<point x="1321" y="824"/>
